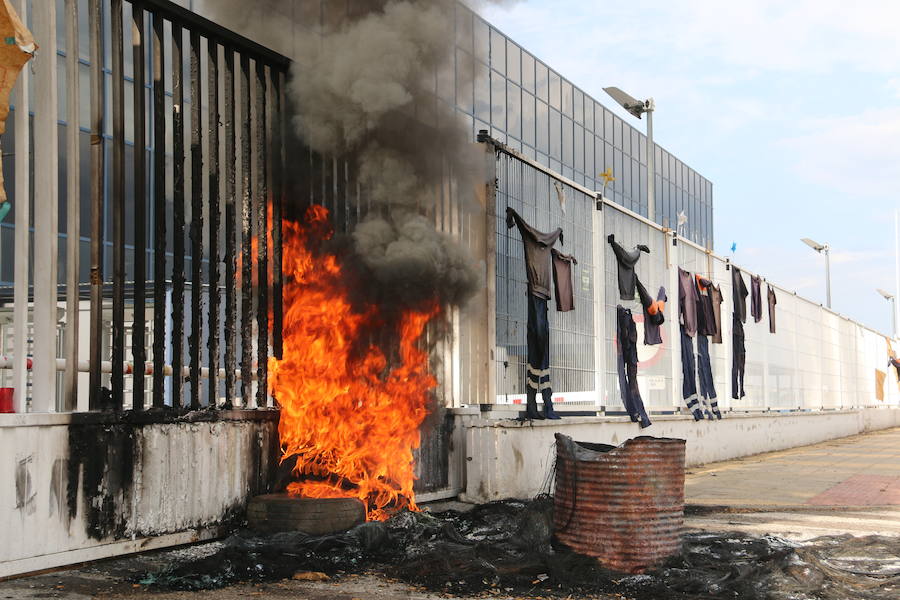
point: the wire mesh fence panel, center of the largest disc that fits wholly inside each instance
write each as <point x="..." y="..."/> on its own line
<point x="655" y="376"/>
<point x="797" y="355"/>
<point x="545" y="203"/>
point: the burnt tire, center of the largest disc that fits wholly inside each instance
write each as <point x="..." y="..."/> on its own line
<point x="273" y="513"/>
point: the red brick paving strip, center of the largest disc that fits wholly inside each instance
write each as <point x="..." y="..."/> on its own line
<point x="861" y="490"/>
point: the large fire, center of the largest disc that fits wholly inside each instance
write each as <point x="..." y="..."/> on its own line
<point x="350" y="415"/>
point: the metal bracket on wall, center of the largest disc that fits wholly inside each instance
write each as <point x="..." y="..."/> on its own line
<point x="485" y="138"/>
<point x="666" y="231"/>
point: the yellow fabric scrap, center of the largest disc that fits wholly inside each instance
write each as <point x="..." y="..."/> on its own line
<point x="16" y="48"/>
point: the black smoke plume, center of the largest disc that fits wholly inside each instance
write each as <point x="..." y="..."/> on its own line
<point x="362" y="88"/>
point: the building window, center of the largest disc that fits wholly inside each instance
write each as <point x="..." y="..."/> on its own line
<point x="528" y="119"/>
<point x="498" y="51"/>
<point x="542" y="82"/>
<point x="513" y="62"/>
<point x="528" y="72"/>
<point x="498" y="101"/>
<point x="555" y="91"/>
<point x="514" y="109"/>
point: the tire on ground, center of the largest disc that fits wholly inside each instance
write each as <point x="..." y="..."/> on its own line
<point x="273" y="513"/>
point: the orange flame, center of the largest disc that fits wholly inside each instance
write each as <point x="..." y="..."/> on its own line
<point x="351" y="418"/>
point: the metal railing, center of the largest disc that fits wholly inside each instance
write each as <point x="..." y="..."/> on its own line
<point x="204" y="185"/>
<point x="816" y="359"/>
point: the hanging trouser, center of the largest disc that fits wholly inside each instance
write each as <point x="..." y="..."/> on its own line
<point x="626" y="333"/>
<point x="537" y="377"/>
<point x="689" y="376"/>
<point x="739" y="358"/>
<point x="704" y="371"/>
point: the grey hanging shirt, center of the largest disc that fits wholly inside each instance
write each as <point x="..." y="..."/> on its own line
<point x="562" y="280"/>
<point x="653" y="313"/>
<point x="626" y="261"/>
<point x="715" y="295"/>
<point x="537" y="253"/>
<point x="756" y="298"/>
<point x="706" y="318"/>
<point x="687" y="302"/>
<point x="772" y="302"/>
<point x="739" y="294"/>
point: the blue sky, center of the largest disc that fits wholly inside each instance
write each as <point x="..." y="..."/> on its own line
<point x="791" y="109"/>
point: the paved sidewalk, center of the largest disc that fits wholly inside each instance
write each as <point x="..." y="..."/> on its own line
<point x="862" y="470"/>
<point x="849" y="485"/>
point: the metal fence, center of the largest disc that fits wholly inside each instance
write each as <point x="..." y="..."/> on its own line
<point x="534" y="196"/>
<point x="167" y="130"/>
<point x="816" y="359"/>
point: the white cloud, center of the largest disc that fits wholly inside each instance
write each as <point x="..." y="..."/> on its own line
<point x="855" y="155"/>
<point x="857" y="257"/>
<point x="763" y="34"/>
<point x="809" y="35"/>
<point x="894" y="86"/>
<point x="713" y="62"/>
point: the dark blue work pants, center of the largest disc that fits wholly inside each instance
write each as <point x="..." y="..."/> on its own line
<point x="537" y="377"/>
<point x="739" y="359"/>
<point x="704" y="370"/>
<point x="689" y="376"/>
<point x="626" y="333"/>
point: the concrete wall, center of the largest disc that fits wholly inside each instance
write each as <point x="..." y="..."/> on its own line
<point x="81" y="487"/>
<point x="511" y="459"/>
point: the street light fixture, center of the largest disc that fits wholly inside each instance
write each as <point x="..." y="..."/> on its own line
<point x="638" y="108"/>
<point x="822" y="249"/>
<point x="890" y="297"/>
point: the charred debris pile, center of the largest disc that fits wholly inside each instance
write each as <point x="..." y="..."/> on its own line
<point x="507" y="548"/>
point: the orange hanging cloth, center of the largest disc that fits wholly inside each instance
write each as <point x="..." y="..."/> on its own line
<point x="16" y="48"/>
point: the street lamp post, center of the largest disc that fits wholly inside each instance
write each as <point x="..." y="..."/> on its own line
<point x="638" y="108"/>
<point x="890" y="297"/>
<point x="823" y="249"/>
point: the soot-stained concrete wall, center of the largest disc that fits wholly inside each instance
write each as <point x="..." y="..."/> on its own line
<point x="510" y="459"/>
<point x="74" y="483"/>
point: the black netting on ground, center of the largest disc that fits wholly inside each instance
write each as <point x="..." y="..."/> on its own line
<point x="506" y="547"/>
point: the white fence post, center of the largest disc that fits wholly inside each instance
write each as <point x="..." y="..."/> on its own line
<point x="599" y="290"/>
<point x="22" y="233"/>
<point x="46" y="194"/>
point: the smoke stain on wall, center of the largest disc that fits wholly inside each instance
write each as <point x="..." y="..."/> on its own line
<point x="101" y="460"/>
<point x="58" y="491"/>
<point x="25" y="492"/>
<point x="101" y="484"/>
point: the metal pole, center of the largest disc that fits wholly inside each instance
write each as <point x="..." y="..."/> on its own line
<point x="98" y="107"/>
<point x="827" y="277"/>
<point x="651" y="156"/>
<point x="117" y="381"/>
<point x="139" y="323"/>
<point x="894" y="316"/>
<point x="73" y="203"/>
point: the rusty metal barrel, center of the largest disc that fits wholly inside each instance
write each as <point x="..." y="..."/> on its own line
<point x="623" y="504"/>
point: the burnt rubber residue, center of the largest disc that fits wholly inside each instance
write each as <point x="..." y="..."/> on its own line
<point x="101" y="459"/>
<point x="509" y="547"/>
